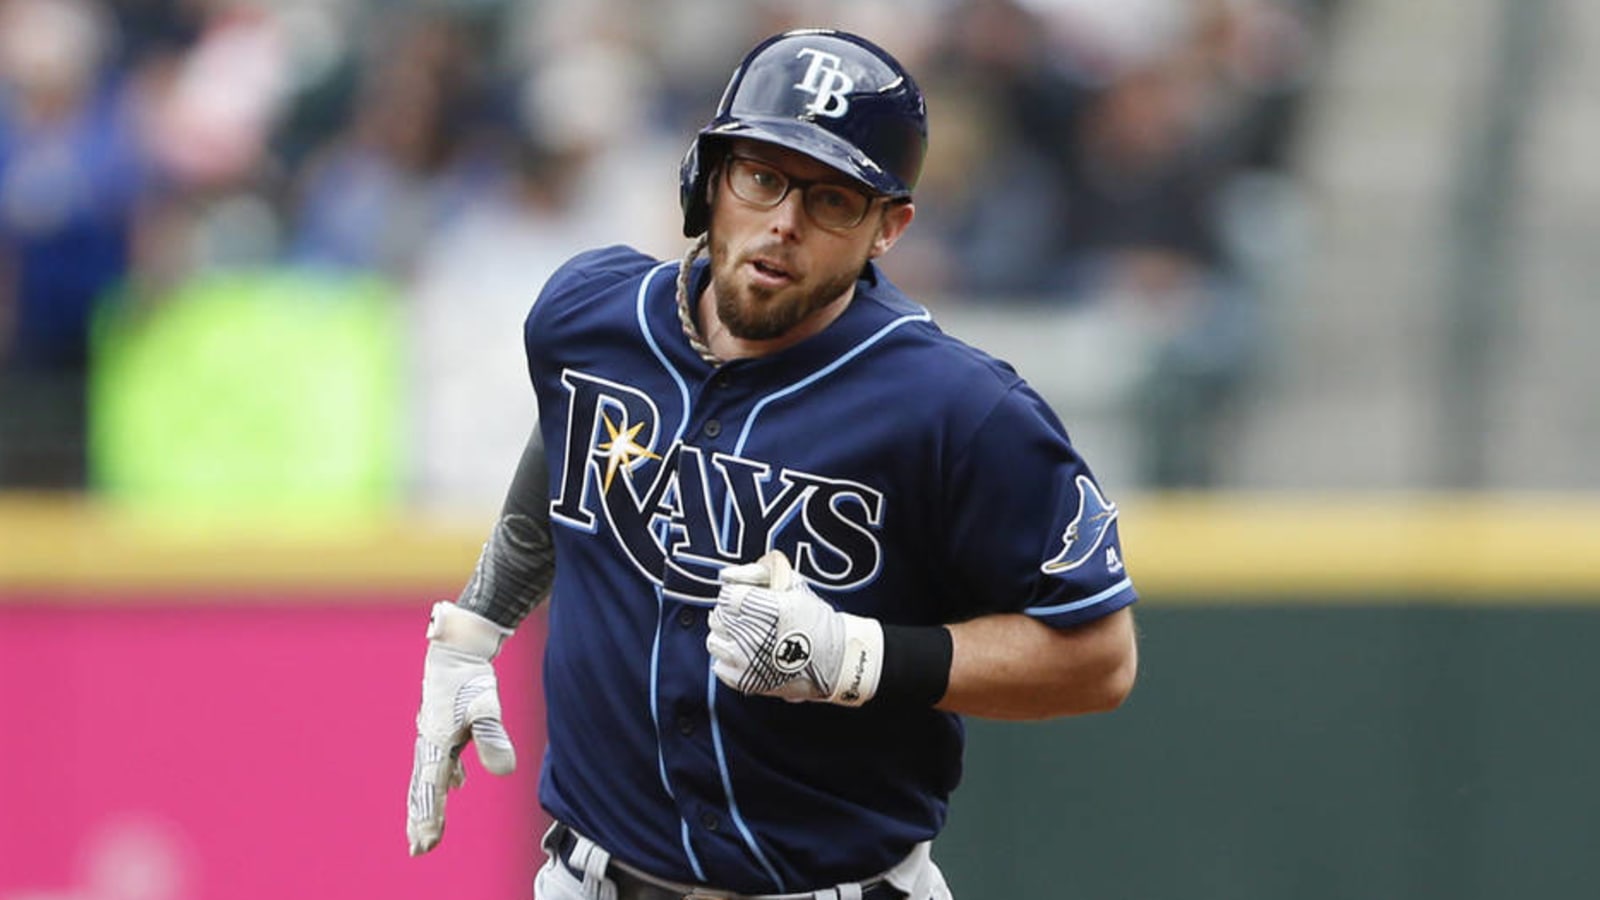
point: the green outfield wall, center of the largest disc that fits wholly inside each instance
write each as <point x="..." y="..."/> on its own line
<point x="1310" y="750"/>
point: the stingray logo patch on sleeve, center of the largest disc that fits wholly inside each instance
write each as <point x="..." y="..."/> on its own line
<point x="1086" y="530"/>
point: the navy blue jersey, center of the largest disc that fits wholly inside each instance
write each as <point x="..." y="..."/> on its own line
<point x="909" y="477"/>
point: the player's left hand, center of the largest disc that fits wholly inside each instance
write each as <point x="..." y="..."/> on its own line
<point x="460" y="703"/>
<point x="770" y="634"/>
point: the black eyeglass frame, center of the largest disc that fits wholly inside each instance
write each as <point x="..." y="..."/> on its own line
<point x="805" y="185"/>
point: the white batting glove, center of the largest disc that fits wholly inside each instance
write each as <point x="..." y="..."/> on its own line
<point x="460" y="702"/>
<point x="771" y="635"/>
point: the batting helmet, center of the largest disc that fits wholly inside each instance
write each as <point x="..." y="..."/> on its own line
<point x="836" y="97"/>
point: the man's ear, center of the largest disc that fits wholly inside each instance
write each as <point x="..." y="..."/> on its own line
<point x="896" y="218"/>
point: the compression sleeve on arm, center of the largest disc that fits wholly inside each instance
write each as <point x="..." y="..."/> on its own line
<point x="518" y="562"/>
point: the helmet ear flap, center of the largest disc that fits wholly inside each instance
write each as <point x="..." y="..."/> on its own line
<point x="692" y="194"/>
<point x="712" y="165"/>
<point x="696" y="184"/>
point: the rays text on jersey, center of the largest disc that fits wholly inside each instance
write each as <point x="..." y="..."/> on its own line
<point x="682" y="512"/>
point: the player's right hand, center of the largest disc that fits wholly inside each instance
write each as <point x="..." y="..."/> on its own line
<point x="460" y="702"/>
<point x="770" y="634"/>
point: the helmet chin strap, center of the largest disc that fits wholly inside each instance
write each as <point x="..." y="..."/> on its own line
<point x="685" y="316"/>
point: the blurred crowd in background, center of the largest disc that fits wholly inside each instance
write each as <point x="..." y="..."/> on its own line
<point x="1129" y="155"/>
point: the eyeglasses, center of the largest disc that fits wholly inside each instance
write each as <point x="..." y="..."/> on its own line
<point x="832" y="206"/>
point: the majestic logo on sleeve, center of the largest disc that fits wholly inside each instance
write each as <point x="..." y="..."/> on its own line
<point x="827" y="83"/>
<point x="1086" y="530"/>
<point x="681" y="513"/>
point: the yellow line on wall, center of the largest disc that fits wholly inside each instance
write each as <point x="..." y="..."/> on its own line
<point x="1205" y="547"/>
<point x="1379" y="547"/>
<point x="84" y="548"/>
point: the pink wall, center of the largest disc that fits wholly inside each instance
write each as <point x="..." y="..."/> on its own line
<point x="238" y="748"/>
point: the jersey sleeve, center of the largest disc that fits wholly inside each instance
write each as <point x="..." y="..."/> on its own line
<point x="570" y="293"/>
<point x="1031" y="531"/>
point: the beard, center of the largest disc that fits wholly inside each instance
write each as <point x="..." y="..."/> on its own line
<point x="755" y="313"/>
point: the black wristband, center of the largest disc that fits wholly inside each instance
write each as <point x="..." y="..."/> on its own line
<point x="916" y="665"/>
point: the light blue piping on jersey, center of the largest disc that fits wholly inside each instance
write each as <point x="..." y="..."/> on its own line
<point x="661" y="760"/>
<point x="857" y="350"/>
<point x="711" y="685"/>
<point x="1108" y="593"/>
<point x="823" y="372"/>
<point x="727" y="782"/>
<point x="650" y="339"/>
<point x="655" y="642"/>
<point x="744" y="435"/>
<point x="716" y="732"/>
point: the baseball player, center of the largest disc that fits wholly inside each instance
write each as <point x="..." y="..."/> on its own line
<point x="790" y="530"/>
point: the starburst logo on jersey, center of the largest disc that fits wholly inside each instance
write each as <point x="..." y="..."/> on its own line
<point x="621" y="451"/>
<point x="682" y="512"/>
<point x="1086" y="530"/>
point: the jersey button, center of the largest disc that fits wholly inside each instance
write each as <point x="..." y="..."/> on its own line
<point x="710" y="821"/>
<point x="686" y="618"/>
<point x="685" y="726"/>
<point x="712" y="428"/>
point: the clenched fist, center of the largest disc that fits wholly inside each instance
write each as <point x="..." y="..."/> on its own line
<point x="771" y="635"/>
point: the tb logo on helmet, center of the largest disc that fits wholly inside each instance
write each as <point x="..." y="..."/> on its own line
<point x="794" y="90"/>
<point x="826" y="81"/>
